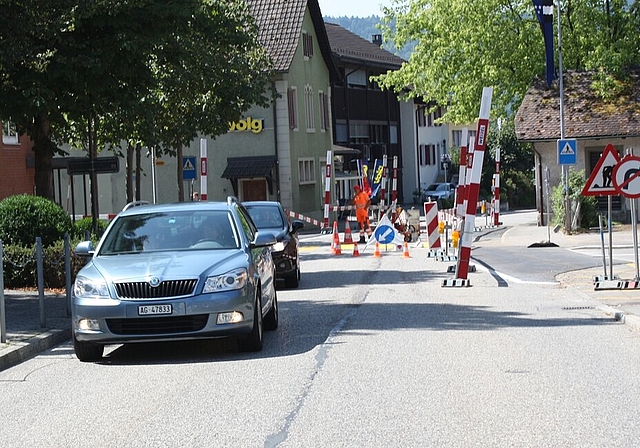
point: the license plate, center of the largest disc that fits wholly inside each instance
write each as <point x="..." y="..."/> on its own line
<point x="147" y="310"/>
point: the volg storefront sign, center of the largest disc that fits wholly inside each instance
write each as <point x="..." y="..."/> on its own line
<point x="255" y="125"/>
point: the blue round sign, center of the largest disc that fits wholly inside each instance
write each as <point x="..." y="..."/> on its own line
<point x="384" y="234"/>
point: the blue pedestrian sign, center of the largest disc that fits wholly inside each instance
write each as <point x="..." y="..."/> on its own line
<point x="567" y="151"/>
<point x="189" y="168"/>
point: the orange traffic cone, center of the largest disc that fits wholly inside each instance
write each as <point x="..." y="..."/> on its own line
<point x="333" y="240"/>
<point x="336" y="244"/>
<point x="356" y="252"/>
<point x="405" y="252"/>
<point x="377" y="253"/>
<point x="348" y="238"/>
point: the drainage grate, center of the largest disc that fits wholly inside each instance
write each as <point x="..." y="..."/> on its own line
<point x="575" y="308"/>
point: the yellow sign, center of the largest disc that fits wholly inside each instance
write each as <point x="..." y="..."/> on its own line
<point x="254" y="125"/>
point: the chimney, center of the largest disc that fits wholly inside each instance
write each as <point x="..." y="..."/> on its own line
<point x="377" y="39"/>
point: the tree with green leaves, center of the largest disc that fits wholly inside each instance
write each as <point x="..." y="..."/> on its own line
<point x="95" y="73"/>
<point x="465" y="45"/>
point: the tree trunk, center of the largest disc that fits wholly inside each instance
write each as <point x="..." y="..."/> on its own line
<point x="43" y="149"/>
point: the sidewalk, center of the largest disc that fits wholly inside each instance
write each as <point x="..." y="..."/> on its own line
<point x="26" y="337"/>
<point x="622" y="304"/>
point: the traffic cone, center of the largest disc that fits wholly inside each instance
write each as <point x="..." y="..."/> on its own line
<point x="348" y="238"/>
<point x="335" y="232"/>
<point x="405" y="252"/>
<point x="356" y="252"/>
<point x="336" y="244"/>
<point x="377" y="253"/>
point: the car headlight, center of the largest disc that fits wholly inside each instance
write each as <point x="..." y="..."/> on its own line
<point x="86" y="288"/>
<point x="235" y="279"/>
<point x="279" y="246"/>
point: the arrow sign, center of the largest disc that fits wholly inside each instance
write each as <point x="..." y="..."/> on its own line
<point x="626" y="177"/>
<point x="600" y="182"/>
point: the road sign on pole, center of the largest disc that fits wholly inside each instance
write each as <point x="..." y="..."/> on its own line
<point x="189" y="168"/>
<point x="567" y="151"/>
<point x="626" y="177"/>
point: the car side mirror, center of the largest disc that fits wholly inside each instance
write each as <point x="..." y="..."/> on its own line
<point x="263" y="239"/>
<point x="85" y="249"/>
<point x="296" y="226"/>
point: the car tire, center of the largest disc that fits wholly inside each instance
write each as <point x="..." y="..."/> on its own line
<point x="271" y="319"/>
<point x="87" y="351"/>
<point x="293" y="280"/>
<point x="254" y="340"/>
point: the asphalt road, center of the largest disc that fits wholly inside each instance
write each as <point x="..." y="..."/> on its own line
<point x="371" y="352"/>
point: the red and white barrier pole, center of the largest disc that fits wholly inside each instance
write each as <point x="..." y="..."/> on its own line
<point x="203" y="169"/>
<point x="462" y="173"/>
<point x="496" y="192"/>
<point x="327" y="190"/>
<point x="462" y="268"/>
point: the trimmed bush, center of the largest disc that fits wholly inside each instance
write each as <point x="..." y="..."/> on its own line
<point x="85" y="225"/>
<point x="25" y="217"/>
<point x="20" y="265"/>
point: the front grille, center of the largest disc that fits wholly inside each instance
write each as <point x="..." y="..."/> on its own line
<point x="158" y="325"/>
<point x="143" y="290"/>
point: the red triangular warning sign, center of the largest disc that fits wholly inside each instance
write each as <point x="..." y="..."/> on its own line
<point x="600" y="182"/>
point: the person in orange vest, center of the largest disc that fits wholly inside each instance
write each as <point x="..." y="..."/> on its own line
<point x="362" y="202"/>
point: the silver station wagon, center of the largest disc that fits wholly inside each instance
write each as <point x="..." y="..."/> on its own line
<point x="171" y="272"/>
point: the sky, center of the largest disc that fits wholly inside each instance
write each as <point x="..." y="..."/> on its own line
<point x="352" y="8"/>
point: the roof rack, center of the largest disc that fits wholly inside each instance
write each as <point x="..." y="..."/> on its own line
<point x="135" y="204"/>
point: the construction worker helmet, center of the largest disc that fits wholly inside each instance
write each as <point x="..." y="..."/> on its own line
<point x="356" y="187"/>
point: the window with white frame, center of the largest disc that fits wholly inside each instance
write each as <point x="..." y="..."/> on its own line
<point x="306" y="171"/>
<point x="307" y="44"/>
<point x="308" y="101"/>
<point x="292" y="102"/>
<point x="323" y="100"/>
<point x="9" y="133"/>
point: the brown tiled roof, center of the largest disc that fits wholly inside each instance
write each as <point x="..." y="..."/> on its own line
<point x="280" y="26"/>
<point x="347" y="45"/>
<point x="586" y="115"/>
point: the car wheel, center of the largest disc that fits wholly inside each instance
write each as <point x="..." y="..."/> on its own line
<point x="87" y="351"/>
<point x="271" y="319"/>
<point x="254" y="340"/>
<point x="292" y="280"/>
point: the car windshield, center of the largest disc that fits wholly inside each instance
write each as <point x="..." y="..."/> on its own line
<point x="184" y="230"/>
<point x="436" y="187"/>
<point x="266" y="216"/>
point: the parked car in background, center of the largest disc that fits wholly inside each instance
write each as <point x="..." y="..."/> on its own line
<point x="176" y="271"/>
<point x="269" y="216"/>
<point x="438" y="191"/>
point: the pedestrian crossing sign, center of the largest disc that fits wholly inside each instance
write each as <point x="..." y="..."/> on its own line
<point x="567" y="151"/>
<point x="188" y="168"/>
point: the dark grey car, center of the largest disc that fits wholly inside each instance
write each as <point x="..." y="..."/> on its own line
<point x="269" y="216"/>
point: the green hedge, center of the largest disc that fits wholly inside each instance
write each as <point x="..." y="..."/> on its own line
<point x="25" y="217"/>
<point x="20" y="265"/>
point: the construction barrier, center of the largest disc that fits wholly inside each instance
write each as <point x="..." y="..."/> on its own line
<point x="431" y="219"/>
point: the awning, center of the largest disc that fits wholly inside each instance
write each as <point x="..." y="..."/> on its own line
<point x="249" y="167"/>
<point x="343" y="150"/>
